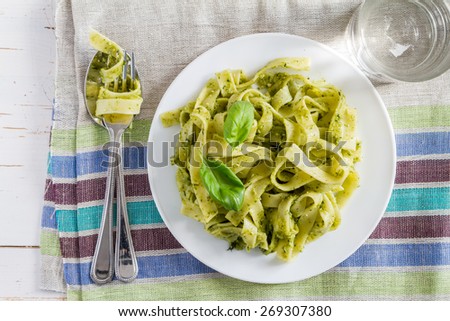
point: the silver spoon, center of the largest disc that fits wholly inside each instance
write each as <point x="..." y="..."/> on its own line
<point x="124" y="261"/>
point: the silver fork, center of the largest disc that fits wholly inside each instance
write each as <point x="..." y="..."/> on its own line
<point x="126" y="267"/>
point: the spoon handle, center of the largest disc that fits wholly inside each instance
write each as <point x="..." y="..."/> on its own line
<point x="102" y="267"/>
<point x="125" y="257"/>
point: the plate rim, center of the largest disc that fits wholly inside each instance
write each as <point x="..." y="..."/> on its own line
<point x="384" y="113"/>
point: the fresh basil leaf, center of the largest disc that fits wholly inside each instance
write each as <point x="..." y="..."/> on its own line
<point x="238" y="122"/>
<point x="222" y="184"/>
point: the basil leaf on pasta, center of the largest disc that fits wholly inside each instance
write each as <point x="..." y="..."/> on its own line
<point x="238" y="122"/>
<point x="222" y="184"/>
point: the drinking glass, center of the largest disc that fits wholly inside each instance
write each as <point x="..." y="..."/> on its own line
<point x="405" y="40"/>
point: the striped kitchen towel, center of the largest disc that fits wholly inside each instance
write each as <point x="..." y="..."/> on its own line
<point x="406" y="258"/>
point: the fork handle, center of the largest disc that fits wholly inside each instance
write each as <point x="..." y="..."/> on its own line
<point x="102" y="268"/>
<point x="126" y="267"/>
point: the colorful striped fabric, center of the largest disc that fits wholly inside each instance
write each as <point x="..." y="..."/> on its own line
<point x="407" y="257"/>
<point x="410" y="245"/>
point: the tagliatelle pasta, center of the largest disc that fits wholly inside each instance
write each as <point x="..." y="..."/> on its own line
<point x="297" y="163"/>
<point x="115" y="99"/>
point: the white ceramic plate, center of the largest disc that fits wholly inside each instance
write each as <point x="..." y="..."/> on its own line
<point x="360" y="215"/>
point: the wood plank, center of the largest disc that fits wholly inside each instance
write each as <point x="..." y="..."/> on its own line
<point x="27" y="55"/>
<point x="19" y="276"/>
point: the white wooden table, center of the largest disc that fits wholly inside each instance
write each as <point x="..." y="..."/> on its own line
<point x="27" y="62"/>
